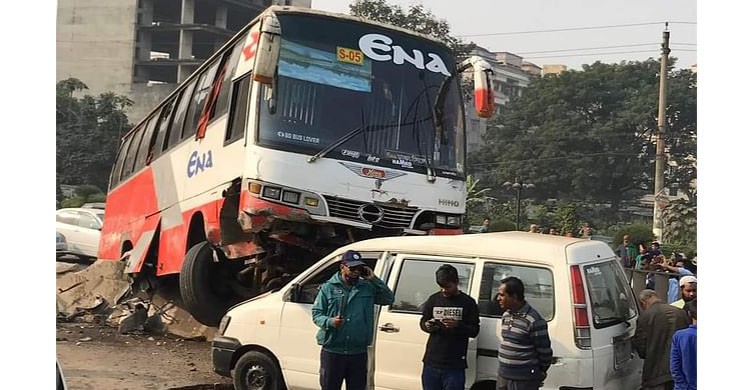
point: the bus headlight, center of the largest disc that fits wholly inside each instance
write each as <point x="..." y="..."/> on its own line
<point x="453" y="220"/>
<point x="272" y="192"/>
<point x="290" y="197"/>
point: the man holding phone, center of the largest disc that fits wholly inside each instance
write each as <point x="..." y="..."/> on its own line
<point x="450" y="317"/>
<point x="344" y="312"/>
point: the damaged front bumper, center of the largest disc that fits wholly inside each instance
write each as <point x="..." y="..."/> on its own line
<point x="222" y="352"/>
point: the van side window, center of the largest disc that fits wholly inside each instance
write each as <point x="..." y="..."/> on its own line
<point x="538" y="288"/>
<point x="309" y="288"/>
<point x="416" y="283"/>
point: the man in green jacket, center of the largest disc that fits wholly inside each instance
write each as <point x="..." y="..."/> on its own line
<point x="344" y="312"/>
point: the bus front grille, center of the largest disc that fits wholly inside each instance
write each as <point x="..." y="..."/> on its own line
<point x="377" y="214"/>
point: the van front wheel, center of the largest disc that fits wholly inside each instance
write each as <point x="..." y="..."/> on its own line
<point x="257" y="371"/>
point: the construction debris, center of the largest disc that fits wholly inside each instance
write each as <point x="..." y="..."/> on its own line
<point x="102" y="293"/>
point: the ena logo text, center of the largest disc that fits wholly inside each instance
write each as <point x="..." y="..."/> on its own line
<point x="197" y="164"/>
<point x="371" y="42"/>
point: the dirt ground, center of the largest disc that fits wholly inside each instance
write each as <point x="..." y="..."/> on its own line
<point x="94" y="356"/>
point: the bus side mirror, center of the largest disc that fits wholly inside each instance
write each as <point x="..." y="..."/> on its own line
<point x="484" y="99"/>
<point x="267" y="52"/>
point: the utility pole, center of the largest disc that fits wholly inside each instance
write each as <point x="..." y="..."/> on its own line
<point x="660" y="132"/>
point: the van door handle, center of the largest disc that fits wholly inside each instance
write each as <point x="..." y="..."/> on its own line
<point x="389" y="328"/>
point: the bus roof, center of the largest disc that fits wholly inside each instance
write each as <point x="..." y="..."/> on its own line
<point x="275" y="9"/>
<point x="543" y="248"/>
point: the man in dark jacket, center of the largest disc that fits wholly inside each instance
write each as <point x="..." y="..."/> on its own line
<point x="653" y="339"/>
<point x="450" y="317"/>
<point x="344" y="312"/>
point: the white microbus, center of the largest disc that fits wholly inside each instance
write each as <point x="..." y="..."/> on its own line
<point x="306" y="131"/>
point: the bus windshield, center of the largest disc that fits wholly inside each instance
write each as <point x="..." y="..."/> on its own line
<point x="337" y="76"/>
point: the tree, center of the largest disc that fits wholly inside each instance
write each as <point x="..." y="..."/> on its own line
<point x="566" y="218"/>
<point x="88" y="133"/>
<point x="680" y="226"/>
<point x="416" y="18"/>
<point x="586" y="135"/>
<point x="86" y="193"/>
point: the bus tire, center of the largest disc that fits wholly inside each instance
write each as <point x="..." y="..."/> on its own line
<point x="198" y="286"/>
<point x="256" y="370"/>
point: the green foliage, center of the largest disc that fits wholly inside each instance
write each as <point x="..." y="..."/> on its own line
<point x="587" y="135"/>
<point x="85" y="193"/>
<point x="680" y="226"/>
<point x="88" y="133"/>
<point x="638" y="232"/>
<point x="566" y="218"/>
<point x="474" y="194"/>
<point x="502" y="225"/>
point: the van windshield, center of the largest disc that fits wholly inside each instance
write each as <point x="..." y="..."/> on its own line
<point x="611" y="297"/>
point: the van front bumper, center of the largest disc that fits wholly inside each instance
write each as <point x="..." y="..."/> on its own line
<point x="222" y="351"/>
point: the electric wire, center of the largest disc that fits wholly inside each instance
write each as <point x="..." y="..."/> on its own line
<point x="569" y="29"/>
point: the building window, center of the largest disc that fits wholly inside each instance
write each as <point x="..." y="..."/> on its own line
<point x="474" y="125"/>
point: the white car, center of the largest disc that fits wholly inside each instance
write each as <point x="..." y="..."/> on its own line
<point x="81" y="229"/>
<point x="62" y="244"/>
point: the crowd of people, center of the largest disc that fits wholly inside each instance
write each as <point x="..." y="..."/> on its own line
<point x="584" y="231"/>
<point x="665" y="335"/>
<point x="666" y="332"/>
<point x="343" y="312"/>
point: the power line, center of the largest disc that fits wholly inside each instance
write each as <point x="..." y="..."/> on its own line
<point x="570" y="29"/>
<point x="588" y="48"/>
<point x="605" y="53"/>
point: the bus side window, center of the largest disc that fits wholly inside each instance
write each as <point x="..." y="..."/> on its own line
<point x="114" y="177"/>
<point x="165" y="117"/>
<point x="127" y="168"/>
<point x="175" y="129"/>
<point x="144" y="151"/>
<point x="222" y="101"/>
<point x="238" y="112"/>
<point x="205" y="81"/>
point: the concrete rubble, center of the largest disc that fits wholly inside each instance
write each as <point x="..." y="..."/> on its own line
<point x="102" y="293"/>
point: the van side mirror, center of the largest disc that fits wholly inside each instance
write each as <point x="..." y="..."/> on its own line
<point x="267" y="52"/>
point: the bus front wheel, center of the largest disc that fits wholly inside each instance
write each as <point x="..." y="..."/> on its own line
<point x="205" y="295"/>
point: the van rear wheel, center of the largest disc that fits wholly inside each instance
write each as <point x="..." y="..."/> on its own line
<point x="205" y="293"/>
<point x="257" y="371"/>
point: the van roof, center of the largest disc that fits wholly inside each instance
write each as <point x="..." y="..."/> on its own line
<point x="509" y="245"/>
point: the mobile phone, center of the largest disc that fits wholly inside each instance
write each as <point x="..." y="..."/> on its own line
<point x="436" y="322"/>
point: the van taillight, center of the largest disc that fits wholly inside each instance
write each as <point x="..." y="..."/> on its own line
<point x="580" y="310"/>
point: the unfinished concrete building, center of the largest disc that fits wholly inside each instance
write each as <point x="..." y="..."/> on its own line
<point x="144" y="48"/>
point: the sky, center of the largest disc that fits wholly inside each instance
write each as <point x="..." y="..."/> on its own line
<point x="608" y="31"/>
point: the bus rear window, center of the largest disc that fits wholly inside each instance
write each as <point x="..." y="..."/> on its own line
<point x="610" y="294"/>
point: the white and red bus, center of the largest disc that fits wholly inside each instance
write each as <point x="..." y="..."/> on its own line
<point x="306" y="131"/>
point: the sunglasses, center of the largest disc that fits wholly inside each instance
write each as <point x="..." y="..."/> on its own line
<point x="357" y="268"/>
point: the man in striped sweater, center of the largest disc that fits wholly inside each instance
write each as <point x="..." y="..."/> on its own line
<point x="525" y="353"/>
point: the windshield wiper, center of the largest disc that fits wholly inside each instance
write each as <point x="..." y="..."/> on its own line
<point x="341" y="140"/>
